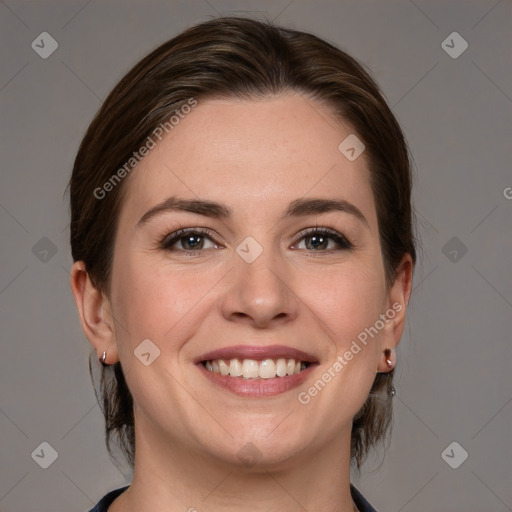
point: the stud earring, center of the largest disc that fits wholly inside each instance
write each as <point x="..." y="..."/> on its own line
<point x="102" y="359"/>
<point x="389" y="362"/>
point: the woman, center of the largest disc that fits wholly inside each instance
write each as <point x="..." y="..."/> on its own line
<point x="241" y="231"/>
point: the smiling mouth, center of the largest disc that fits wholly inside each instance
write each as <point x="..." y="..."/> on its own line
<point x="256" y="369"/>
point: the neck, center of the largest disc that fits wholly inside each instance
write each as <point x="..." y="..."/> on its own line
<point x="169" y="476"/>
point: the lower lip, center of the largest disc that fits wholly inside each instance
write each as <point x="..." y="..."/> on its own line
<point x="258" y="387"/>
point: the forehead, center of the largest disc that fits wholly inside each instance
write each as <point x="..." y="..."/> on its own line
<point x="255" y="155"/>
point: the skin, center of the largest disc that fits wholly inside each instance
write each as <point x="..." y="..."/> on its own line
<point x="256" y="156"/>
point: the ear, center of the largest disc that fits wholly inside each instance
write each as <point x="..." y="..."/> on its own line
<point x="95" y="313"/>
<point x="396" y="306"/>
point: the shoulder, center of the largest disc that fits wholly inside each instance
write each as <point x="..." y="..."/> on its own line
<point x="107" y="500"/>
<point x="362" y="504"/>
<point x="102" y="506"/>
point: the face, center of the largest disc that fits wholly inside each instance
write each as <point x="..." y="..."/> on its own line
<point x="260" y="275"/>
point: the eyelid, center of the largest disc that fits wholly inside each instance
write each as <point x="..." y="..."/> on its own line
<point x="340" y="238"/>
<point x="166" y="241"/>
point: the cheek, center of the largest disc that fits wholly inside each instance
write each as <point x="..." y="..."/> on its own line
<point x="346" y="301"/>
<point x="153" y="301"/>
<point x="346" y="306"/>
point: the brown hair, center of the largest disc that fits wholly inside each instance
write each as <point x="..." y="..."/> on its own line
<point x="240" y="58"/>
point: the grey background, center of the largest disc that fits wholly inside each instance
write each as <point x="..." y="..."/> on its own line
<point x="454" y="372"/>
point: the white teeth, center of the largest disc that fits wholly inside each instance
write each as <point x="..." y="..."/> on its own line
<point x="281" y="367"/>
<point x="224" y="368"/>
<point x="267" y="369"/>
<point x="235" y="368"/>
<point x="252" y="369"/>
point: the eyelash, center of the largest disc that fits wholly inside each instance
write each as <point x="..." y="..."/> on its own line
<point x="170" y="239"/>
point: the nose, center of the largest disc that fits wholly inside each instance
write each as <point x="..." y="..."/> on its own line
<point x="260" y="293"/>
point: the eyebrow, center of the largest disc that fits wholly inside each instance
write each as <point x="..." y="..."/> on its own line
<point x="297" y="208"/>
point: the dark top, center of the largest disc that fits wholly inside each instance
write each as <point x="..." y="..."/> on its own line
<point x="107" y="500"/>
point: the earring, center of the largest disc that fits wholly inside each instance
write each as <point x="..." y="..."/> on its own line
<point x="389" y="362"/>
<point x="102" y="359"/>
<point x="391" y="389"/>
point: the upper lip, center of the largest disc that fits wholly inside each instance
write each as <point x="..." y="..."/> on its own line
<point x="257" y="352"/>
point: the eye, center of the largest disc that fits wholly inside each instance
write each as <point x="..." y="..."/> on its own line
<point x="321" y="240"/>
<point x="190" y="241"/>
